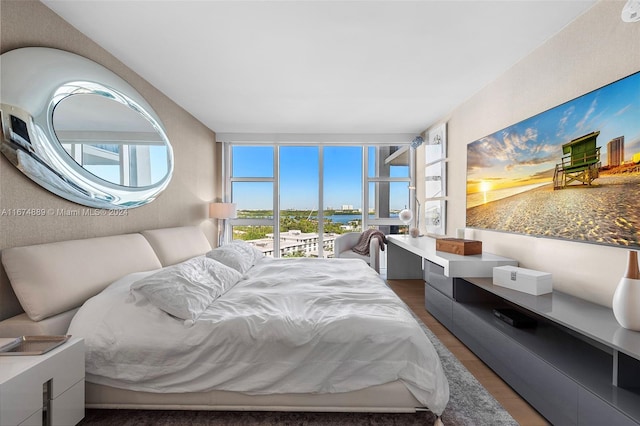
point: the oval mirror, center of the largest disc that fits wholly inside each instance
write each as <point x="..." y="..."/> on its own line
<point x="111" y="140"/>
<point x="80" y="131"/>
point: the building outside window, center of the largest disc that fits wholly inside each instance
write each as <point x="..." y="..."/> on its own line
<point x="278" y="190"/>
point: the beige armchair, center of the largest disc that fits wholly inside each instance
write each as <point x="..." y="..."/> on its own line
<point x="345" y="242"/>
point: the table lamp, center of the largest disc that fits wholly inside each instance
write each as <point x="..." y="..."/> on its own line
<point x="222" y="211"/>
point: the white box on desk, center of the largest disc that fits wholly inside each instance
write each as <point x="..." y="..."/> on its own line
<point x="521" y="279"/>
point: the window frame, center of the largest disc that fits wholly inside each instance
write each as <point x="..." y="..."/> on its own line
<point x="228" y="180"/>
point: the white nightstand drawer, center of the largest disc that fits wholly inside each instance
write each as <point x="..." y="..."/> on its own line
<point x="21" y="396"/>
<point x="68" y="408"/>
<point x="33" y="420"/>
<point x="67" y="369"/>
<point x="21" y="386"/>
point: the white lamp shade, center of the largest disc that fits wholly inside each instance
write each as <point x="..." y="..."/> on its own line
<point x="222" y="210"/>
<point x="406" y="215"/>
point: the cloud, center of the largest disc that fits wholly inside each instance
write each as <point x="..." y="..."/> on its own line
<point x="531" y="161"/>
<point x="543" y="174"/>
<point x="482" y="153"/>
<point x="582" y="123"/>
<point x="563" y="121"/>
<point x="523" y="149"/>
<point x="511" y="147"/>
<point x="545" y="149"/>
<point x="484" y="179"/>
<point x="622" y="111"/>
<point x="531" y="134"/>
<point x="515" y="142"/>
<point x="631" y="148"/>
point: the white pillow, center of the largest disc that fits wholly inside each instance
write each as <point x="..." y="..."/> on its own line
<point x="186" y="289"/>
<point x="232" y="257"/>
<point x="249" y="249"/>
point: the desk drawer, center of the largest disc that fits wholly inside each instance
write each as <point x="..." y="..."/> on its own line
<point x="546" y="388"/>
<point x="438" y="305"/>
<point x="594" y="411"/>
<point x="434" y="275"/>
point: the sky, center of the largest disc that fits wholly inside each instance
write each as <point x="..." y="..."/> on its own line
<point x="299" y="177"/>
<point x="527" y="152"/>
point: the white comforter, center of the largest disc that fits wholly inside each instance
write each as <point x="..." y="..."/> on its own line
<point x="290" y="326"/>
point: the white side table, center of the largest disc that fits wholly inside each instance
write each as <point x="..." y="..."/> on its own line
<point x="22" y="379"/>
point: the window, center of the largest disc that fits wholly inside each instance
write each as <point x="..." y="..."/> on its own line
<point x="252" y="188"/>
<point x="389" y="177"/>
<point x="293" y="201"/>
<point x="122" y="164"/>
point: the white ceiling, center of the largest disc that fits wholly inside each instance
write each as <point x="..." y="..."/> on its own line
<point x="319" y="66"/>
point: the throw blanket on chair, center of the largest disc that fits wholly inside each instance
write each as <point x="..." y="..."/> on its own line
<point x="362" y="247"/>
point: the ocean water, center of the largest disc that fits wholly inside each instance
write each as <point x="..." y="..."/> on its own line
<point x="346" y="218"/>
<point x="479" y="198"/>
<point x="342" y="218"/>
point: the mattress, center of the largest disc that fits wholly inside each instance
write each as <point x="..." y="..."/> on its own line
<point x="290" y="326"/>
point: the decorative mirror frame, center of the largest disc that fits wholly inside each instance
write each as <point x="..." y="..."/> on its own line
<point x="34" y="80"/>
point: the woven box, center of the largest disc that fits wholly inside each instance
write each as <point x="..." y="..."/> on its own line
<point x="459" y="246"/>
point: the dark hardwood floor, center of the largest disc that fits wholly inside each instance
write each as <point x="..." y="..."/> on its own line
<point x="412" y="293"/>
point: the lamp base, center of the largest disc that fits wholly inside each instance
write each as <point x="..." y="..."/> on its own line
<point x="221" y="225"/>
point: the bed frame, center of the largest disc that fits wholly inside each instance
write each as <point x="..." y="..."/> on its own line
<point x="51" y="281"/>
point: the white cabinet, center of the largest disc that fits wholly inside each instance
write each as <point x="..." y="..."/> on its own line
<point x="23" y="378"/>
<point x="577" y="366"/>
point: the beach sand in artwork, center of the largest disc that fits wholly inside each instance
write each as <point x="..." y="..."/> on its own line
<point x="607" y="212"/>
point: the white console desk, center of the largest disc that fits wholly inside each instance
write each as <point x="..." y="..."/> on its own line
<point x="405" y="255"/>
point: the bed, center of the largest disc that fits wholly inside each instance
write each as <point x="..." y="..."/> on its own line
<point x="290" y="335"/>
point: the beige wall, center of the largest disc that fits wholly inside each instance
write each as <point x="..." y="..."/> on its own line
<point x="594" y="50"/>
<point x="30" y="23"/>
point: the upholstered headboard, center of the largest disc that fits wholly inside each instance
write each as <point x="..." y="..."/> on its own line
<point x="52" y="280"/>
<point x="175" y="245"/>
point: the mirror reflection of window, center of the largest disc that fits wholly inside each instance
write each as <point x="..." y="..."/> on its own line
<point x="111" y="140"/>
<point x="96" y="145"/>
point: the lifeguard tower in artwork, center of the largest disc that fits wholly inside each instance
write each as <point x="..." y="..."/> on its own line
<point x="580" y="162"/>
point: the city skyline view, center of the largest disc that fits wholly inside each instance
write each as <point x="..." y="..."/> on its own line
<point x="299" y="178"/>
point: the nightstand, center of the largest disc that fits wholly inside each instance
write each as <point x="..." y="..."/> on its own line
<point x="45" y="389"/>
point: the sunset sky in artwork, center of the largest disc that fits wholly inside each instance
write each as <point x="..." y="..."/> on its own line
<point x="526" y="153"/>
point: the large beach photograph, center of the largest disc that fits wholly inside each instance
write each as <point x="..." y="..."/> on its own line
<point x="571" y="172"/>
